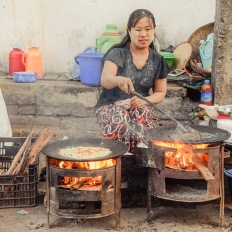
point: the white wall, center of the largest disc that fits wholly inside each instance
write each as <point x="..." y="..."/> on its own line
<point x="63" y="28"/>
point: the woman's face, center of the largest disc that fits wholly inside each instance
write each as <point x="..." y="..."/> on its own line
<point x="142" y="34"/>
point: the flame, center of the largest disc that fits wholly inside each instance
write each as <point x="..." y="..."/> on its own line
<point x="80" y="182"/>
<point x="92" y="165"/>
<point x="179" y="145"/>
<point x="181" y="158"/>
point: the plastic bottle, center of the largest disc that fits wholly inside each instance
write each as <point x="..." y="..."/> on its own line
<point x="16" y="60"/>
<point x="33" y="61"/>
<point x="206" y="93"/>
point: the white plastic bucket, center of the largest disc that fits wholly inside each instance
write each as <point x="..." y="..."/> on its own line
<point x="225" y="124"/>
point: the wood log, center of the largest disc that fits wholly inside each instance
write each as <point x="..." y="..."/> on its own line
<point x="15" y="165"/>
<point x="17" y="169"/>
<point x="37" y="146"/>
<point x="18" y="155"/>
<point x="202" y="168"/>
<point x="78" y="185"/>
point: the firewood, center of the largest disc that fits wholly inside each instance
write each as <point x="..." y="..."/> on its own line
<point x="18" y="155"/>
<point x="7" y="191"/>
<point x="15" y="163"/>
<point x="78" y="185"/>
<point x="199" y="164"/>
<point x="41" y="141"/>
<point x="22" y="161"/>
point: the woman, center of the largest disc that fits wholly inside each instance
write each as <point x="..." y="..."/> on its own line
<point x="132" y="65"/>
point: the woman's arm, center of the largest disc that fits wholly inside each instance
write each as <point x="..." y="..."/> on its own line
<point x="159" y="93"/>
<point x="109" y="80"/>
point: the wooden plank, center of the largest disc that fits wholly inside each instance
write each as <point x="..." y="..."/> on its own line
<point x="202" y="168"/>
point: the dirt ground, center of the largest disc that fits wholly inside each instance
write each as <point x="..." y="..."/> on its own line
<point x="166" y="218"/>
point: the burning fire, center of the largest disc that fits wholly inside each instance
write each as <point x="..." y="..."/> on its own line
<point x="83" y="183"/>
<point x="92" y="165"/>
<point x="183" y="156"/>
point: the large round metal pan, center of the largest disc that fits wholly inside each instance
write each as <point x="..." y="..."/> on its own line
<point x="117" y="148"/>
<point x="206" y="134"/>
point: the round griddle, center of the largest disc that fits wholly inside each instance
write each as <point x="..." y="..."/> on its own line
<point x="117" y="148"/>
<point x="170" y="134"/>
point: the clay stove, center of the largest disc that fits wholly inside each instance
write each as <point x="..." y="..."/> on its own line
<point x="185" y="172"/>
<point x="84" y="189"/>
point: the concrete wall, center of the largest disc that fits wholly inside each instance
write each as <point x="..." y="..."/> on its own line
<point x="222" y="69"/>
<point x="63" y="28"/>
<point x="67" y="107"/>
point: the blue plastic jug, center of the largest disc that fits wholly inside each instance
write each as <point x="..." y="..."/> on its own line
<point x="206" y="52"/>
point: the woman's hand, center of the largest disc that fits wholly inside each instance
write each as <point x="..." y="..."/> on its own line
<point x="110" y="80"/>
<point x="125" y="84"/>
<point x="137" y="102"/>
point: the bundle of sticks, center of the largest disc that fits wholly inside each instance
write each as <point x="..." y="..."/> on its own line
<point x="27" y="155"/>
<point x="28" y="152"/>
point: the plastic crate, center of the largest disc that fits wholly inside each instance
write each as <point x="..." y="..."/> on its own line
<point x="16" y="190"/>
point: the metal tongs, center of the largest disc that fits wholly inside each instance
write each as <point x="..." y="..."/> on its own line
<point x="184" y="133"/>
<point x="179" y="125"/>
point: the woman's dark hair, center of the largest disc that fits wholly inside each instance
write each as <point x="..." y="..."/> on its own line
<point x="133" y="19"/>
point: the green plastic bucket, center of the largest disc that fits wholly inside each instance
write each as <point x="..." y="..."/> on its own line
<point x="169" y="57"/>
<point x="90" y="68"/>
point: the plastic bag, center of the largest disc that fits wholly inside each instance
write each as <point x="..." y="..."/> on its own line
<point x="206" y="52"/>
<point x="76" y="69"/>
<point x="5" y="127"/>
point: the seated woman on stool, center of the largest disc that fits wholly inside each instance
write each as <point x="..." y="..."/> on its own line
<point x="132" y="65"/>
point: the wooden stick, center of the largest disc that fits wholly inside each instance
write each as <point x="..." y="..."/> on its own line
<point x="202" y="168"/>
<point x="23" y="159"/>
<point x="18" y="155"/>
<point x="22" y="151"/>
<point x="41" y="141"/>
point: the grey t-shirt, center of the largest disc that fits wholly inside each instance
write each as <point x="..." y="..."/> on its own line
<point x="143" y="79"/>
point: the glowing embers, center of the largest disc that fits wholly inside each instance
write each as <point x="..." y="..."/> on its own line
<point x="184" y="156"/>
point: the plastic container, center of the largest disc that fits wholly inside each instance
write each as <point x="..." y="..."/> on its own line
<point x="224" y="110"/>
<point x="25" y="77"/>
<point x="16" y="60"/>
<point x="108" y="39"/>
<point x="90" y="68"/>
<point x="225" y="123"/>
<point x="76" y="68"/>
<point x="206" y="93"/>
<point x="206" y="52"/>
<point x="33" y="61"/>
<point x="169" y="57"/>
<point x="23" y="191"/>
<point x="228" y="173"/>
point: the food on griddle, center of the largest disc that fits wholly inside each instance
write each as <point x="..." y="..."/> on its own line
<point x="84" y="152"/>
